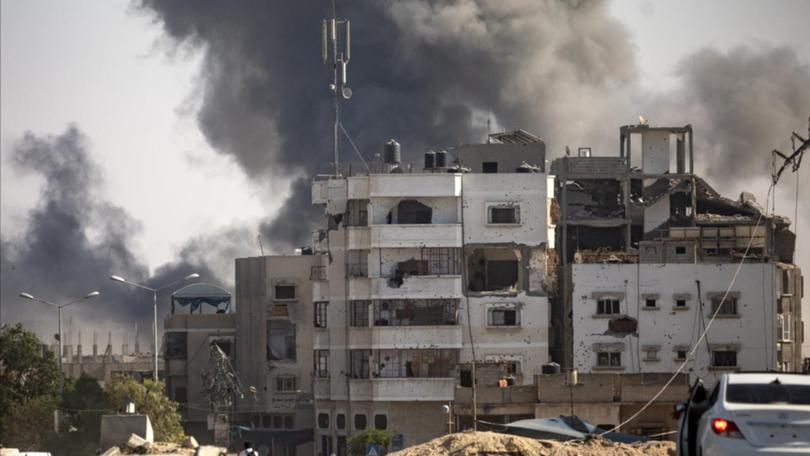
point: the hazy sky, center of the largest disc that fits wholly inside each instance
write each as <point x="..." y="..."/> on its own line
<point x="104" y="67"/>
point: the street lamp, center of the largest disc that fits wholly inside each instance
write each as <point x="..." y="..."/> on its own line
<point x="59" y="307"/>
<point x="154" y="308"/>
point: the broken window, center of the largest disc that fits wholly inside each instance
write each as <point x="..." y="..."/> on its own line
<point x="489" y="167"/>
<point x="416" y="363"/>
<point x="415" y="312"/>
<point x="411" y="212"/>
<point x="432" y="261"/>
<point x="176" y="345"/>
<point x="609" y="359"/>
<point x="286" y="383"/>
<point x="493" y="270"/>
<point x="280" y="340"/>
<point x="359" y="363"/>
<point x="727" y="306"/>
<point x="608" y="306"/>
<point x="284" y="292"/>
<point x="321" y="363"/>
<point x="503" y="317"/>
<point x="359" y="313"/>
<point x="503" y="214"/>
<point x="320" y="314"/>
<point x="724" y="358"/>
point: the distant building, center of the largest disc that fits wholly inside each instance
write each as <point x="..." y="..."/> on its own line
<point x="202" y="316"/>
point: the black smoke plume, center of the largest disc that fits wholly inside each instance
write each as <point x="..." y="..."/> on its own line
<point x="73" y="242"/>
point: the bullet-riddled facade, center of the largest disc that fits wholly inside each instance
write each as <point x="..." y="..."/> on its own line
<point x="416" y="266"/>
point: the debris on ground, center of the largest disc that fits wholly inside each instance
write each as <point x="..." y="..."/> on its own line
<point x="135" y="444"/>
<point x="482" y="443"/>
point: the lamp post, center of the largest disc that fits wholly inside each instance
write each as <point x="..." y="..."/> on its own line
<point x="154" y="308"/>
<point x="59" y="307"/>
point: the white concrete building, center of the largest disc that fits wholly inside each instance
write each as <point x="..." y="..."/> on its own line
<point x="414" y="267"/>
<point x="672" y="304"/>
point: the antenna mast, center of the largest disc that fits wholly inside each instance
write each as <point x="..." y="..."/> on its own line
<point x="338" y="56"/>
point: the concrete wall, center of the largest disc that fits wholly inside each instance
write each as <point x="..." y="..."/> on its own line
<point x="528" y="191"/>
<point x="508" y="156"/>
<point x="415" y="185"/>
<point x="655" y="152"/>
<point x="667" y="327"/>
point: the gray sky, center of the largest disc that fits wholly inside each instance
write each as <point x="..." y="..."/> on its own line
<point x="105" y="68"/>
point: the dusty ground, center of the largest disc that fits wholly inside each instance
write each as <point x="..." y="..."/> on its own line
<point x="491" y="443"/>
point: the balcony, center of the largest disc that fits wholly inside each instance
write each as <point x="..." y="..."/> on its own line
<point x="422" y="235"/>
<point x="402" y="389"/>
<point x="415" y="185"/>
<point x="406" y="337"/>
<point x="416" y="287"/>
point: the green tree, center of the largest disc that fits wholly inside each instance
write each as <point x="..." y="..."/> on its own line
<point x="357" y="443"/>
<point x="149" y="399"/>
<point x="84" y="403"/>
<point x="27" y="373"/>
<point x="29" y="424"/>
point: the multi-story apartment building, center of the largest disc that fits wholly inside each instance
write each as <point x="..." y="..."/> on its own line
<point x="274" y="354"/>
<point x="650" y="252"/>
<point x="421" y="270"/>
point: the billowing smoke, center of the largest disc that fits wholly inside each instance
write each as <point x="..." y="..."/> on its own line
<point x="426" y="73"/>
<point x="73" y="242"/>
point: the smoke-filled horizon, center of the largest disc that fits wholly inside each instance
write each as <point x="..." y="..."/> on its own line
<point x="426" y="73"/>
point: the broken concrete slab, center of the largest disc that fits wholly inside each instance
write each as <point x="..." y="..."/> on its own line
<point x="190" y="442"/>
<point x="136" y="441"/>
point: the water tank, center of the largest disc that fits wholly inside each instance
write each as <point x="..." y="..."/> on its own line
<point x="441" y="159"/>
<point x="391" y="153"/>
<point x="550" y="369"/>
<point x="430" y="159"/>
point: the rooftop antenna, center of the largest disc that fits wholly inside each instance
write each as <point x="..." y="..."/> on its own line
<point x="261" y="247"/>
<point x="338" y="54"/>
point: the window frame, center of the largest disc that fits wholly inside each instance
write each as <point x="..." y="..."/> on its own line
<point x="286" y="384"/>
<point x="615" y="303"/>
<point x="286" y="285"/>
<point x="610" y="354"/>
<point x="491" y="321"/>
<point x="714" y="363"/>
<point x="321" y="363"/>
<point x="320" y="314"/>
<point x="513" y="206"/>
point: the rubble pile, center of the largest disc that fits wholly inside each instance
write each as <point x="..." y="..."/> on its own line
<point x="483" y="443"/>
<point x="138" y="445"/>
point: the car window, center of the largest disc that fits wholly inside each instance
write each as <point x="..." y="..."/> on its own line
<point x="768" y="393"/>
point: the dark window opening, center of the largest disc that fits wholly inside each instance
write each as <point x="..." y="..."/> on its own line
<point x="225" y="345"/>
<point x="176" y="345"/>
<point x="680" y="302"/>
<point x="650" y="302"/>
<point x="360" y="421"/>
<point x="493" y="270"/>
<point x="280" y="340"/>
<point x="727" y="306"/>
<point x="681" y="354"/>
<point x="278" y="421"/>
<point x="285" y="384"/>
<point x="411" y="212"/>
<point x="504" y="317"/>
<point x="506" y="215"/>
<point x="465" y="378"/>
<point x="323" y="420"/>
<point x="181" y="394"/>
<point x="340" y="421"/>
<point x="284" y="292"/>
<point x="360" y="363"/>
<point x="381" y="422"/>
<point x="342" y="447"/>
<point x="680" y="250"/>
<point x="724" y="358"/>
<point x="489" y="167"/>
<point x="608" y="306"/>
<point x="420" y="363"/>
<point x="359" y="313"/>
<point x="415" y="312"/>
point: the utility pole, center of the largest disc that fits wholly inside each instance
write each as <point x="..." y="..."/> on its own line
<point x="338" y="54"/>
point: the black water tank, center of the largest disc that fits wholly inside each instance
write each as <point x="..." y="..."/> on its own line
<point x="430" y="159"/>
<point x="391" y="152"/>
<point x="550" y="369"/>
<point x="441" y="159"/>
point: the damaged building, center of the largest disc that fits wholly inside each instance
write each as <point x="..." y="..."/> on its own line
<point x="414" y="267"/>
<point x="647" y="252"/>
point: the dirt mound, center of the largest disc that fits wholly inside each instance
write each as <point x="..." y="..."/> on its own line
<point x="491" y="444"/>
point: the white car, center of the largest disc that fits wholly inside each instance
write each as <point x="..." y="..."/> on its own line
<point x="748" y="414"/>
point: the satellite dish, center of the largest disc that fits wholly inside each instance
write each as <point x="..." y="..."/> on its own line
<point x="346" y="92"/>
<point x="642" y="120"/>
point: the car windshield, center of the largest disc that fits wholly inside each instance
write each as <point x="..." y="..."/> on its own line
<point x="768" y="393"/>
